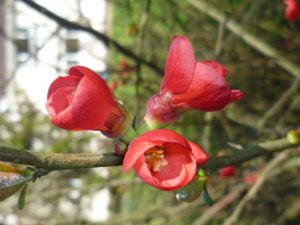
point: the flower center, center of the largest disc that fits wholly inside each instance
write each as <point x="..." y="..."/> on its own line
<point x="155" y="159"/>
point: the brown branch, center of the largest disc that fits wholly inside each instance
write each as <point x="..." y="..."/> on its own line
<point x="233" y="218"/>
<point x="278" y="57"/>
<point x="64" y="161"/>
<point x="248" y="153"/>
<point x="220" y="205"/>
<point x="100" y="36"/>
<point x="280" y="103"/>
<point x="58" y="161"/>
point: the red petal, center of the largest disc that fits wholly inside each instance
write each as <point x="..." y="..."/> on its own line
<point x="104" y="90"/>
<point x="217" y="66"/>
<point x="163" y="135"/>
<point x="144" y="173"/>
<point x="292" y="11"/>
<point x="208" y="92"/>
<point x="181" y="166"/>
<point x="62" y="82"/>
<point x="60" y="110"/>
<point x="115" y="123"/>
<point x="236" y="95"/>
<point x="228" y="171"/>
<point x="180" y="170"/>
<point x="136" y="149"/>
<point x="93" y="102"/>
<point x="175" y="183"/>
<point x="179" y="67"/>
<point x="200" y="155"/>
<point x="149" y="140"/>
<point x="58" y="101"/>
<point x="90" y="110"/>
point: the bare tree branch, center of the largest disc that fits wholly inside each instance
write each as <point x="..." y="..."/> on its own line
<point x="100" y="36"/>
<point x="58" y="161"/>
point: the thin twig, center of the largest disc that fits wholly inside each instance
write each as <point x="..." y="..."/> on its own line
<point x="207" y="131"/>
<point x="220" y="205"/>
<point x="255" y="188"/>
<point x="295" y="104"/>
<point x="279" y="104"/>
<point x="209" y="116"/>
<point x="220" y="37"/>
<point x="140" y="39"/>
<point x="246" y="119"/>
<point x="250" y="39"/>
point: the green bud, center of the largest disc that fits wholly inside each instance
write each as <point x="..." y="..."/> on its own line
<point x="293" y="137"/>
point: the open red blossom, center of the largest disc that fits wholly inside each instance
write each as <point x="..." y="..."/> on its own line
<point x="164" y="159"/>
<point x="189" y="84"/>
<point x="292" y="10"/>
<point x="83" y="101"/>
<point x="228" y="171"/>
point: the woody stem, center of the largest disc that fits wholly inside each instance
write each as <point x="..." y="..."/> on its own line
<point x="64" y="161"/>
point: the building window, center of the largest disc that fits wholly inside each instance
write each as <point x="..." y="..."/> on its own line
<point x="22" y="45"/>
<point x="22" y="41"/>
<point x="72" y="45"/>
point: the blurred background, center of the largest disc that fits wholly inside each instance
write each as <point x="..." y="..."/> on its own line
<point x="126" y="42"/>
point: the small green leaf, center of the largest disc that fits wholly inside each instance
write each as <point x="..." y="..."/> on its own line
<point x="194" y="189"/>
<point x="190" y="192"/>
<point x="11" y="183"/>
<point x="21" y="202"/>
<point x="207" y="199"/>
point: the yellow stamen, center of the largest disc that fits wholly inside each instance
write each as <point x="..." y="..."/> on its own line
<point x="155" y="159"/>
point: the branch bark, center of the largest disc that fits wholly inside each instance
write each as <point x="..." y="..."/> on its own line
<point x="58" y="161"/>
<point x="100" y="36"/>
<point x="64" y="161"/>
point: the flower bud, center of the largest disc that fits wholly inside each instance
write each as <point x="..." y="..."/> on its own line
<point x="83" y="101"/>
<point x="189" y="85"/>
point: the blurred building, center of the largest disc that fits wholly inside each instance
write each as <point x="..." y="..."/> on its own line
<point x="34" y="50"/>
<point x="2" y="53"/>
<point x="38" y="49"/>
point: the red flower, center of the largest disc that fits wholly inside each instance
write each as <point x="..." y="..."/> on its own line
<point x="228" y="171"/>
<point x="250" y="179"/>
<point x="164" y="159"/>
<point x="189" y="84"/>
<point x="83" y="101"/>
<point x="292" y="11"/>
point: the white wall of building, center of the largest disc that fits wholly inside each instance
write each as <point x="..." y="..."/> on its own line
<point x="47" y="57"/>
